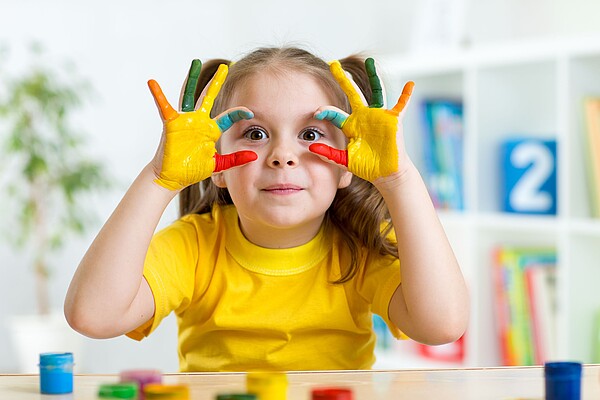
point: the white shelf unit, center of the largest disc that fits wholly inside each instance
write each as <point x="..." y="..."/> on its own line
<point x="532" y="89"/>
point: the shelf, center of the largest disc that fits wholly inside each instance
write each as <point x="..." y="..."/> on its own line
<point x="530" y="89"/>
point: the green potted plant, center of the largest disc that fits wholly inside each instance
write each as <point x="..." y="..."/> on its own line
<point x="46" y="174"/>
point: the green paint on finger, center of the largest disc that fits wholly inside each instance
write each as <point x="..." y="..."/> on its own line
<point x="375" y="83"/>
<point x="188" y="103"/>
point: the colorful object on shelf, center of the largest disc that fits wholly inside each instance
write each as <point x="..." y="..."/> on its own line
<point x="449" y="352"/>
<point x="156" y="391"/>
<point x="141" y="377"/>
<point x="525" y="303"/>
<point x="331" y="394"/>
<point x="443" y="151"/>
<point x="267" y="385"/>
<point x="189" y="154"/>
<point x="118" y="391"/>
<point x="384" y="336"/>
<point x="563" y="380"/>
<point x="56" y="373"/>
<point x="591" y="108"/>
<point x="596" y="343"/>
<point x="372" y="150"/>
<point x="529" y="176"/>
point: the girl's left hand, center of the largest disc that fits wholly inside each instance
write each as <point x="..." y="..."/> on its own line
<point x="376" y="146"/>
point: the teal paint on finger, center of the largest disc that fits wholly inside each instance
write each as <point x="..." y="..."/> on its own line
<point x="227" y="121"/>
<point x="334" y="117"/>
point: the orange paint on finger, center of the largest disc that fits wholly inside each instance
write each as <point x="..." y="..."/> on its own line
<point x="167" y="112"/>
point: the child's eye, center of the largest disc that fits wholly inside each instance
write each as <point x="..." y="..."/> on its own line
<point x="255" y="133"/>
<point x="311" y="135"/>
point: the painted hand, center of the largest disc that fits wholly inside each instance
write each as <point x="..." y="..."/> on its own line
<point x="375" y="134"/>
<point x="187" y="153"/>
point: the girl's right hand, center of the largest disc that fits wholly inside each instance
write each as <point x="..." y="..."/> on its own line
<point x="187" y="152"/>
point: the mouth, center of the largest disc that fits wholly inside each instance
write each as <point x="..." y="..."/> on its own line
<point x="283" y="189"/>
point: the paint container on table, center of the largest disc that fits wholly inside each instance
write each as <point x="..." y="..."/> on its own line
<point x="267" y="385"/>
<point x="563" y="380"/>
<point x="236" y="396"/>
<point x="118" y="391"/>
<point x="56" y="373"/>
<point x="331" y="394"/>
<point x="142" y="377"/>
<point x="156" y="391"/>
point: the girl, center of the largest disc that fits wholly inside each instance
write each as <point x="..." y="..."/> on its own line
<point x="287" y="240"/>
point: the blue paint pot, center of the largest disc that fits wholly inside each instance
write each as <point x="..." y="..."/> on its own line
<point x="563" y="380"/>
<point x="56" y="373"/>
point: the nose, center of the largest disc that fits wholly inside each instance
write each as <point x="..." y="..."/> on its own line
<point x="282" y="154"/>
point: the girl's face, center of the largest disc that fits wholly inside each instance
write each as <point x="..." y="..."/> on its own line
<point x="282" y="197"/>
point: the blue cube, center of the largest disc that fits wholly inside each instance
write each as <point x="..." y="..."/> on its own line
<point x="528" y="175"/>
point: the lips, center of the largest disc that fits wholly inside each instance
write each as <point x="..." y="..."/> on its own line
<point x="285" y="188"/>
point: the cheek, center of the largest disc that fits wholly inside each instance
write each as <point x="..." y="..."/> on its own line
<point x="325" y="171"/>
<point x="238" y="179"/>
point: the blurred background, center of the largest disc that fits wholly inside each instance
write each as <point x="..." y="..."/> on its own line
<point x="117" y="46"/>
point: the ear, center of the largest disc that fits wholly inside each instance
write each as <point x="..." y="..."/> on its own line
<point x="345" y="180"/>
<point x="219" y="180"/>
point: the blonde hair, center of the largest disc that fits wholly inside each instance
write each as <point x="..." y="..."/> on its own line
<point x="358" y="211"/>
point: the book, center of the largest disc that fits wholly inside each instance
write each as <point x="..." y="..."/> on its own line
<point x="541" y="286"/>
<point x="443" y="151"/>
<point x="525" y="304"/>
<point x="591" y="107"/>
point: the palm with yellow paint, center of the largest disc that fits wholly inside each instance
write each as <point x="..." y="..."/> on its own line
<point x="187" y="153"/>
<point x="374" y="133"/>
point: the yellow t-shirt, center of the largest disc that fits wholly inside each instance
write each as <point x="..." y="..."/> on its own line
<point x="242" y="307"/>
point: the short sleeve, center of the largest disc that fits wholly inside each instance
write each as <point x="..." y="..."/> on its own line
<point x="380" y="278"/>
<point x="170" y="269"/>
<point x="378" y="284"/>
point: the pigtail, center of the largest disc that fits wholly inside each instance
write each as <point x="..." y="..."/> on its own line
<point x="191" y="198"/>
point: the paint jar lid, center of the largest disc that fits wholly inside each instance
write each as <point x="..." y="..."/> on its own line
<point x="55" y="359"/>
<point x="266" y="377"/>
<point x="154" y="391"/>
<point x="141" y="376"/>
<point x="562" y="370"/>
<point x="236" y="396"/>
<point x="332" y="393"/>
<point x="123" y="390"/>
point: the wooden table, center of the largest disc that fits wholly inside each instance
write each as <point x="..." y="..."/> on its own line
<point x="459" y="384"/>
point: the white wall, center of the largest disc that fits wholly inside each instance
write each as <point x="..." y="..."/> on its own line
<point x="118" y="46"/>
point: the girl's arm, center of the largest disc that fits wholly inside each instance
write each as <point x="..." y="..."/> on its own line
<point x="108" y="295"/>
<point x="431" y="304"/>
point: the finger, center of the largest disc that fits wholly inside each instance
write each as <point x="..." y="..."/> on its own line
<point x="230" y="117"/>
<point x="337" y="118"/>
<point x="336" y="155"/>
<point x="188" y="103"/>
<point x="404" y="97"/>
<point x="346" y="84"/>
<point x="167" y="112"/>
<point x="214" y="88"/>
<point x="226" y="161"/>
<point x="375" y="83"/>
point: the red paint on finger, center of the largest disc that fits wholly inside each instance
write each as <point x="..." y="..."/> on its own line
<point x="336" y="155"/>
<point x="226" y="161"/>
